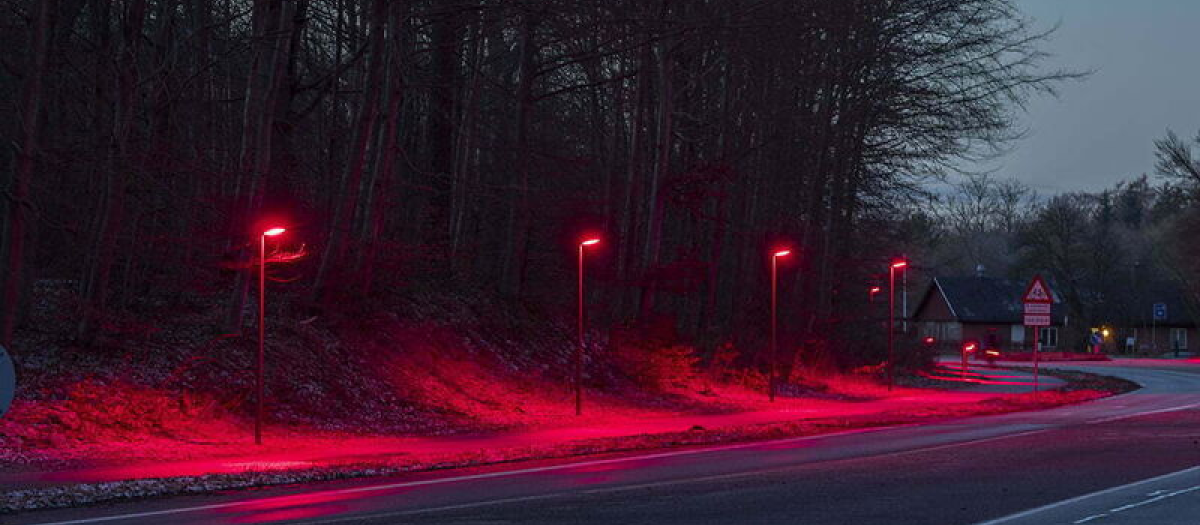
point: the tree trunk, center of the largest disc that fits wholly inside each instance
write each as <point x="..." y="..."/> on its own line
<point x="25" y="167"/>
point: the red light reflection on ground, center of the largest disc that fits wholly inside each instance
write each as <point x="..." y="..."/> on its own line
<point x="297" y="500"/>
<point x="292" y="514"/>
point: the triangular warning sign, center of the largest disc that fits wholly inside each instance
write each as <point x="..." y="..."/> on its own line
<point x="1037" y="292"/>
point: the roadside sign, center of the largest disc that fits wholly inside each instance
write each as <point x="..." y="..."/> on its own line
<point x="1037" y="320"/>
<point x="1037" y="308"/>
<point x="8" y="381"/>
<point x="1160" y="311"/>
<point x="1037" y="292"/>
<point x="1037" y="301"/>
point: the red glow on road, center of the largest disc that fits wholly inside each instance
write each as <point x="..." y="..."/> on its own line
<point x="590" y="242"/>
<point x="783" y="253"/>
<point x="274" y="231"/>
<point x="295" y="501"/>
<point x="293" y="514"/>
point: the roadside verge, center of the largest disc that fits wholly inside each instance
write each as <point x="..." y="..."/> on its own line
<point x="690" y="430"/>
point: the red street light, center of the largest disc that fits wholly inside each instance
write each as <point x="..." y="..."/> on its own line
<point x="891" y="329"/>
<point x="262" y="313"/>
<point x="871" y="293"/>
<point x="579" y="348"/>
<point x="774" y="341"/>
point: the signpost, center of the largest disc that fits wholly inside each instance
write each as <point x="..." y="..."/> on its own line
<point x="1037" y="301"/>
<point x="8" y="381"/>
<point x="1160" y="314"/>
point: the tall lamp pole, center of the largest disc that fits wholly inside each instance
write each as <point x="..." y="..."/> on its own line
<point x="262" y="314"/>
<point x="774" y="317"/>
<point x="891" y="329"/>
<point x="579" y="347"/>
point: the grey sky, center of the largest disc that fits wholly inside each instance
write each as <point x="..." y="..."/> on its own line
<point x="1146" y="57"/>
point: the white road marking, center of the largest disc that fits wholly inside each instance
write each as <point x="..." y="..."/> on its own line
<point x="639" y="486"/>
<point x="488" y="475"/>
<point x="565" y="466"/>
<point x="1077" y="499"/>
<point x="1146" y="413"/>
<point x="1123" y="508"/>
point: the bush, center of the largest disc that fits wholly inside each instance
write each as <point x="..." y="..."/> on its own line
<point x="659" y="367"/>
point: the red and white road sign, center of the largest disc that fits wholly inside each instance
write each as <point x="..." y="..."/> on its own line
<point x="1037" y="320"/>
<point x="1037" y="308"/>
<point x="1037" y="292"/>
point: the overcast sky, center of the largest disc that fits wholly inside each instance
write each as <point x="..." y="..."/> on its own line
<point x="1146" y="57"/>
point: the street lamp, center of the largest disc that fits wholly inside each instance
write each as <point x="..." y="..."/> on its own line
<point x="774" y="342"/>
<point x="896" y="265"/>
<point x="871" y="293"/>
<point x="262" y="313"/>
<point x="579" y="348"/>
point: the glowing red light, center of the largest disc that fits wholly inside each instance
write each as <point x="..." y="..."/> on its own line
<point x="970" y="347"/>
<point x="992" y="352"/>
<point x="899" y="264"/>
<point x="929" y="340"/>
<point x="590" y="242"/>
<point x="782" y="253"/>
<point x="876" y="289"/>
<point x="273" y="232"/>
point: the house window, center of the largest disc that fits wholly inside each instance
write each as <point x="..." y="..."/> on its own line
<point x="953" y="331"/>
<point x="1048" y="337"/>
<point x="1179" y="338"/>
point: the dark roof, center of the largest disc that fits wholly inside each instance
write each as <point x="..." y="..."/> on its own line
<point x="1140" y="309"/>
<point x="986" y="299"/>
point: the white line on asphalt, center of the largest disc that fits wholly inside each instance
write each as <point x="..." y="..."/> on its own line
<point x="1156" y="496"/>
<point x="655" y="484"/>
<point x="1077" y="499"/>
<point x="1147" y="413"/>
<point x="488" y="475"/>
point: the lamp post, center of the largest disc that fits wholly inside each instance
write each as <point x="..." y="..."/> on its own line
<point x="774" y="341"/>
<point x="891" y="329"/>
<point x="262" y="314"/>
<point x="579" y="347"/>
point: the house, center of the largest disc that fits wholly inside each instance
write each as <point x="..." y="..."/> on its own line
<point x="1158" y="319"/>
<point x="983" y="309"/>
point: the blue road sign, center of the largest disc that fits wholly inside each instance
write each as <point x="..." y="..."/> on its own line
<point x="1160" y="311"/>
<point x="8" y="381"/>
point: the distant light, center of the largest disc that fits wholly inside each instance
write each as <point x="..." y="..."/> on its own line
<point x="1104" y="332"/>
<point x="929" y="340"/>
<point x="782" y="253"/>
<point x="273" y="232"/>
<point x="970" y="347"/>
<point x="876" y="289"/>
<point x="590" y="242"/>
<point x="899" y="264"/>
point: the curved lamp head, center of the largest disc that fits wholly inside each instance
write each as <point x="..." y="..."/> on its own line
<point x="899" y="264"/>
<point x="274" y="231"/>
<point x="590" y="242"/>
<point x="783" y="253"/>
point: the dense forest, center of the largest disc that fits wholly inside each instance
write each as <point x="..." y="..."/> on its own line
<point x="470" y="145"/>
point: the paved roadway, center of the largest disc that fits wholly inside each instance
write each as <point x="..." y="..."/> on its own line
<point x="1120" y="461"/>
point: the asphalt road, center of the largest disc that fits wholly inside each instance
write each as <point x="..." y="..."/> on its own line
<point x="1120" y="461"/>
